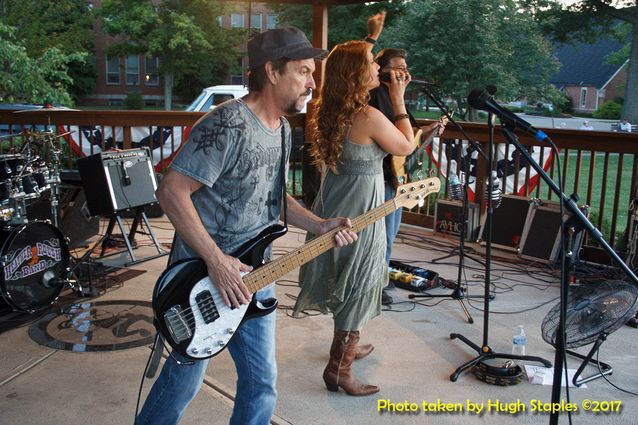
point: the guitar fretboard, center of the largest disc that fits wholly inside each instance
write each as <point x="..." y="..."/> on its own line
<point x="408" y="196"/>
<point x="272" y="271"/>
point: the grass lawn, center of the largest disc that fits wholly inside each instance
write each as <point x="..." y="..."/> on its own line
<point x="597" y="198"/>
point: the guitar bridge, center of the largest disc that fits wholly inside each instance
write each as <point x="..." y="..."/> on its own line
<point x="177" y="325"/>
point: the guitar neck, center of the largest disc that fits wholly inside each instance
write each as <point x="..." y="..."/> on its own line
<point x="273" y="270"/>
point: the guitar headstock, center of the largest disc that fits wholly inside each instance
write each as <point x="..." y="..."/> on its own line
<point x="410" y="195"/>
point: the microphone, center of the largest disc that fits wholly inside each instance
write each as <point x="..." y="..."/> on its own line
<point x="482" y="99"/>
<point x="493" y="191"/>
<point x="423" y="82"/>
<point x="454" y="187"/>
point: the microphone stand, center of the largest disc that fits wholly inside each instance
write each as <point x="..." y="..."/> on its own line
<point x="485" y="351"/>
<point x="578" y="217"/>
<point x="457" y="293"/>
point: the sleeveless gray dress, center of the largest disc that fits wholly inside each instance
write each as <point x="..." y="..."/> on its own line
<point x="348" y="281"/>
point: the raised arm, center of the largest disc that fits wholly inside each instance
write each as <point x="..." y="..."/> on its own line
<point x="375" y="26"/>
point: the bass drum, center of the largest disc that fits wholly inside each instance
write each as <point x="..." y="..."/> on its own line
<point x="35" y="259"/>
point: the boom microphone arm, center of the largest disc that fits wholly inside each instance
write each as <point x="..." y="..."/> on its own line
<point x="483" y="100"/>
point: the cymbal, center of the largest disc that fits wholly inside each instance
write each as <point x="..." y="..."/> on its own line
<point x="37" y="134"/>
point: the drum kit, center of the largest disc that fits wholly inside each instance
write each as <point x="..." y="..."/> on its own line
<point x="34" y="254"/>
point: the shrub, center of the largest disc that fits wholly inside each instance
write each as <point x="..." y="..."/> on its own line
<point x="134" y="101"/>
<point x="609" y="110"/>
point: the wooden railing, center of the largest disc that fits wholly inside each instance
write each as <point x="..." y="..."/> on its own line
<point x="600" y="166"/>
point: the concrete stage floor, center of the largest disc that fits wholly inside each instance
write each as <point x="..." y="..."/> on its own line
<point x="64" y="382"/>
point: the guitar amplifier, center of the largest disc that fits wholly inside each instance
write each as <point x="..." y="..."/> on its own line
<point x="115" y="181"/>
<point x="448" y="218"/>
<point x="508" y="222"/>
<point x="541" y="235"/>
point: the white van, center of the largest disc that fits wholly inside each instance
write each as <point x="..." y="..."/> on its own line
<point x="214" y="95"/>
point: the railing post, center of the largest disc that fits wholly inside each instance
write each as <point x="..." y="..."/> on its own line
<point x="127" y="137"/>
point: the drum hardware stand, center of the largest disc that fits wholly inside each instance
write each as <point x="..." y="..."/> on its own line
<point x="139" y="214"/>
<point x="458" y="293"/>
<point x="55" y="182"/>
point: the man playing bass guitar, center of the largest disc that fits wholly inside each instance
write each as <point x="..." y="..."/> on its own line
<point x="224" y="187"/>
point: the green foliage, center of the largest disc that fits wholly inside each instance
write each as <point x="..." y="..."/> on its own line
<point x="346" y="22"/>
<point x="567" y="105"/>
<point x="66" y="25"/>
<point x="542" y="111"/>
<point x="609" y="110"/>
<point x="505" y="48"/>
<point x="133" y="101"/>
<point x="184" y="35"/>
<point x="39" y="79"/>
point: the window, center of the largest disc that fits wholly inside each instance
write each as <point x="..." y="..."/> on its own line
<point x="219" y="21"/>
<point x="255" y="21"/>
<point x="132" y="70"/>
<point x="112" y="70"/>
<point x="583" y="97"/>
<point x="236" y="20"/>
<point x="271" y="21"/>
<point x="150" y="67"/>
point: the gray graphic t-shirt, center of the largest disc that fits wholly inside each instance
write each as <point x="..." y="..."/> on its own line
<point x="238" y="160"/>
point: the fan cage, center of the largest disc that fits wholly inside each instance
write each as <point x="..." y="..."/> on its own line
<point x="592" y="309"/>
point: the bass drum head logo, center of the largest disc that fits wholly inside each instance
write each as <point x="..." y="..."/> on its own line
<point x="96" y="326"/>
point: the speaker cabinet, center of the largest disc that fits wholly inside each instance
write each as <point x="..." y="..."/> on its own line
<point x="541" y="236"/>
<point x="448" y="219"/>
<point x="508" y="222"/>
<point x="115" y="181"/>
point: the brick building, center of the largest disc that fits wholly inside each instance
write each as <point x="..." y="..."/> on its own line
<point x="586" y="76"/>
<point x="119" y="76"/>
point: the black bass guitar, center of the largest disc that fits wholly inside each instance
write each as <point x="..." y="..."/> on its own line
<point x="191" y="315"/>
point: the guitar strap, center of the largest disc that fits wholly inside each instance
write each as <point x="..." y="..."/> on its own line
<point x="283" y="173"/>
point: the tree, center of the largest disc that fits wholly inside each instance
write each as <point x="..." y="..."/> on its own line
<point x="478" y="43"/>
<point x="346" y="22"/>
<point x="183" y="34"/>
<point x="587" y="20"/>
<point x="40" y="79"/>
<point x="66" y="25"/>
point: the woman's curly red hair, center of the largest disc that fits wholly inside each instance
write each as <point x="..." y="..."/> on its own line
<point x="344" y="92"/>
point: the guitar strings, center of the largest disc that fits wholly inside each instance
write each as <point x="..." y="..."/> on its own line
<point x="207" y="306"/>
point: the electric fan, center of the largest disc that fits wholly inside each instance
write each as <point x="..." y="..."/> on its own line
<point x="594" y="311"/>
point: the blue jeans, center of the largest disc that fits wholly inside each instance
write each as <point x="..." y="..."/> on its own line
<point x="392" y="223"/>
<point x="253" y="351"/>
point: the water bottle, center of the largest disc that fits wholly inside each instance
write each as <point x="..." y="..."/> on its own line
<point x="519" y="341"/>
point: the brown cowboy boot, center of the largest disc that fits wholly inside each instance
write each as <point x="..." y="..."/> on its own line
<point x="338" y="372"/>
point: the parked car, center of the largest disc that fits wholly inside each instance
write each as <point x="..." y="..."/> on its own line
<point x="212" y="96"/>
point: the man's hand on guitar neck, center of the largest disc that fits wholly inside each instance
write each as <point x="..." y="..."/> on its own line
<point x="434" y="129"/>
